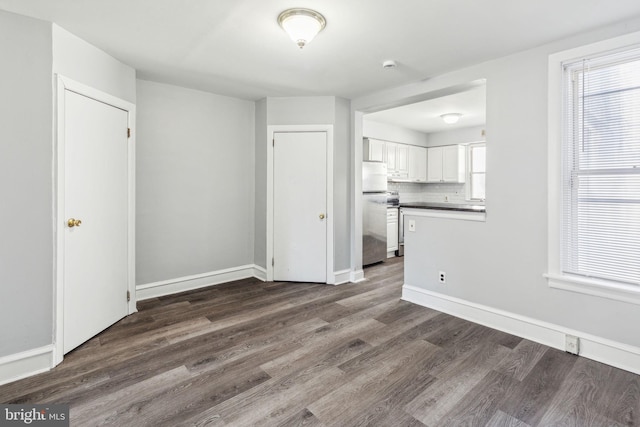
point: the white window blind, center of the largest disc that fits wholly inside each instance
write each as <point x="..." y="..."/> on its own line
<point x="601" y="168"/>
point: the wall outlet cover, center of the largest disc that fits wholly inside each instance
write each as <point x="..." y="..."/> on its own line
<point x="412" y="225"/>
<point x="572" y="344"/>
<point x="442" y="277"/>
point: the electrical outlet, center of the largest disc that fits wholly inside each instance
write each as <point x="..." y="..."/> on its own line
<point x="412" y="225"/>
<point x="572" y="344"/>
<point x="442" y="277"/>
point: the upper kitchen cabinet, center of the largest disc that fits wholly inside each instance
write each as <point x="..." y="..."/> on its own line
<point x="446" y="164"/>
<point x="374" y="150"/>
<point x="417" y="164"/>
<point x="395" y="155"/>
<point x="397" y="161"/>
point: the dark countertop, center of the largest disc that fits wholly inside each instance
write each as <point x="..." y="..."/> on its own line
<point x="444" y="206"/>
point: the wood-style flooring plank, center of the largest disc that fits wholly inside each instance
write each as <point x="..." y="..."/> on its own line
<point x="522" y="360"/>
<point x="576" y="403"/>
<point x="532" y="398"/>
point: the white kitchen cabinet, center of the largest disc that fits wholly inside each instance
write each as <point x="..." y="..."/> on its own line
<point x="417" y="164"/>
<point x="390" y="152"/>
<point x="397" y="160"/>
<point x="446" y="164"/>
<point x="392" y="231"/>
<point x="374" y="150"/>
<point x="404" y="162"/>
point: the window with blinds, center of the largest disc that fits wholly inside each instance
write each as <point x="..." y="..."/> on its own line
<point x="601" y="168"/>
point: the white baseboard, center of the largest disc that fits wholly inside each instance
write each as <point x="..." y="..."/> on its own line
<point x="25" y="364"/>
<point x="603" y="350"/>
<point x="260" y="273"/>
<point x="357" y="276"/>
<point x="342" y="276"/>
<point x="188" y="283"/>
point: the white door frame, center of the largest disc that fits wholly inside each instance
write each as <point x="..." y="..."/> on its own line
<point x="64" y="84"/>
<point x="271" y="130"/>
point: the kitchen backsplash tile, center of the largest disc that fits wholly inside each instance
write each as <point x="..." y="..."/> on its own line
<point x="438" y="193"/>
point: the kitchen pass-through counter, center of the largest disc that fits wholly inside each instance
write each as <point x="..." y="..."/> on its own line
<point x="468" y="212"/>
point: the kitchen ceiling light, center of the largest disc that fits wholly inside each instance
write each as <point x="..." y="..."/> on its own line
<point x="451" y="118"/>
<point x="302" y="25"/>
<point x="389" y="64"/>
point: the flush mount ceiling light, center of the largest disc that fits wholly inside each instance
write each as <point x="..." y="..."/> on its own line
<point x="389" y="64"/>
<point x="302" y="25"/>
<point x="451" y="118"/>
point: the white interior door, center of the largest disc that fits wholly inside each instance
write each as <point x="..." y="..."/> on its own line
<point x="300" y="206"/>
<point x="96" y="197"/>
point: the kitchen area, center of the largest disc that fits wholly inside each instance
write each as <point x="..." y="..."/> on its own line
<point x="424" y="159"/>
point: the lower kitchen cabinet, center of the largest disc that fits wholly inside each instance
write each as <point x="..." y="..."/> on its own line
<point x="392" y="231"/>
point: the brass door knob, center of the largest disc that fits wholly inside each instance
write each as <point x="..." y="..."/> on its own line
<point x="73" y="222"/>
<point x="321" y="216"/>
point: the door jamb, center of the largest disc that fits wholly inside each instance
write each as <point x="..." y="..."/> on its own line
<point x="271" y="130"/>
<point x="63" y="84"/>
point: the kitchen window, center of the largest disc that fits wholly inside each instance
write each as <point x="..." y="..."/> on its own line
<point x="599" y="179"/>
<point x="476" y="167"/>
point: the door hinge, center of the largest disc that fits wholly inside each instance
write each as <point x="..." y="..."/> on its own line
<point x="272" y="262"/>
<point x="128" y="296"/>
<point x="273" y="142"/>
<point x="128" y="132"/>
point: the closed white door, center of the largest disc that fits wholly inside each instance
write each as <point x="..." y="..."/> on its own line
<point x="96" y="217"/>
<point x="300" y="206"/>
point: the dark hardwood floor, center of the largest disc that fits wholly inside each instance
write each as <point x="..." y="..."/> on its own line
<point x="287" y="354"/>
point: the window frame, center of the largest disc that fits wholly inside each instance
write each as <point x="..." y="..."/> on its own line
<point x="469" y="171"/>
<point x="556" y="278"/>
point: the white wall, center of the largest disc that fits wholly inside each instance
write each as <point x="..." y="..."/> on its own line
<point x="78" y="60"/>
<point x="195" y="182"/>
<point x="260" y="227"/>
<point x="457" y="136"/>
<point x="26" y="239"/>
<point x="303" y="110"/>
<point x="499" y="263"/>
<point x="393" y="133"/>
<point x="341" y="185"/>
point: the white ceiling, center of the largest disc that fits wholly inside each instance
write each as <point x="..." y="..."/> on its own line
<point x="236" y="48"/>
<point x="425" y="116"/>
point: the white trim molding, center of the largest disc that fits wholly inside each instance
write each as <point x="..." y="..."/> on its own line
<point x="197" y="281"/>
<point x="357" y="276"/>
<point x="555" y="277"/>
<point x="342" y="276"/>
<point x="594" y="287"/>
<point x="25" y="364"/>
<point x="600" y="349"/>
<point x="260" y="273"/>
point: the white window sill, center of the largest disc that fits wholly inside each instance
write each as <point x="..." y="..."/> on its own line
<point x="595" y="287"/>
